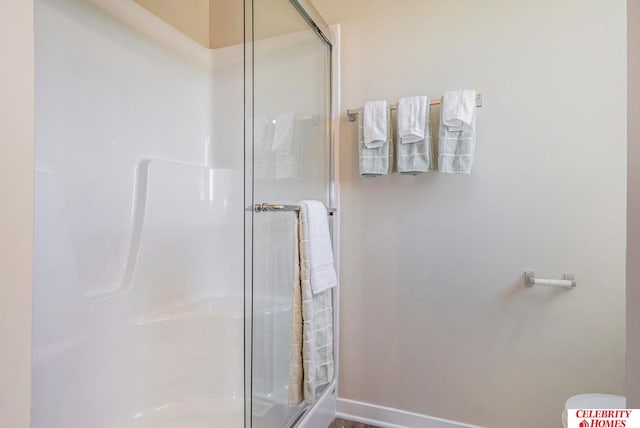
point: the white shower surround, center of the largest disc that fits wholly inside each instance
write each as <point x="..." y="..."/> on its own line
<point x="138" y="281"/>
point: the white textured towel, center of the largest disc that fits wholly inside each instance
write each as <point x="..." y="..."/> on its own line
<point x="316" y="244"/>
<point x="415" y="158"/>
<point x="296" y="373"/>
<point x="375" y="162"/>
<point x="457" y="145"/>
<point x="458" y="108"/>
<point x="412" y="119"/>
<point x="317" y="308"/>
<point x="375" y="124"/>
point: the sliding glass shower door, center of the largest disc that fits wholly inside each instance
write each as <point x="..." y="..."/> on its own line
<point x="288" y="160"/>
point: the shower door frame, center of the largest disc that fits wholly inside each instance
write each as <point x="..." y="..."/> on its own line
<point x="324" y="408"/>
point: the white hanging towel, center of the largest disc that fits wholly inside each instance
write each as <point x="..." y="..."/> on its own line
<point x="315" y="245"/>
<point x="377" y="161"/>
<point x="458" y="109"/>
<point x="412" y="119"/>
<point x="458" y="137"/>
<point x="317" y="309"/>
<point x="414" y="158"/>
<point x="375" y="124"/>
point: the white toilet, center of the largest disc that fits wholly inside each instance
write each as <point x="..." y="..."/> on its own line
<point x="593" y="401"/>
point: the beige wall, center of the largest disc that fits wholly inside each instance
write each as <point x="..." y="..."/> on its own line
<point x="434" y="315"/>
<point x="633" y="249"/>
<point x="219" y="23"/>
<point x="16" y="190"/>
<point x="191" y="17"/>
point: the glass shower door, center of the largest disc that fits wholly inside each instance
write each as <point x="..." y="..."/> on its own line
<point x="289" y="161"/>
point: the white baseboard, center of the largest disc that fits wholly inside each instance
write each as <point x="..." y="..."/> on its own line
<point x="387" y="417"/>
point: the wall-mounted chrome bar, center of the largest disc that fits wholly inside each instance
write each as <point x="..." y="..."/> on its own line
<point x="261" y="208"/>
<point x="568" y="280"/>
<point x="272" y="120"/>
<point x="352" y="114"/>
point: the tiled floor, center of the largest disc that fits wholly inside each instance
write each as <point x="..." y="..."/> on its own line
<point x="341" y="423"/>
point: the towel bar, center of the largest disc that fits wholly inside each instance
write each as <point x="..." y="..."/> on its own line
<point x="568" y="280"/>
<point x="352" y="114"/>
<point x="261" y="208"/>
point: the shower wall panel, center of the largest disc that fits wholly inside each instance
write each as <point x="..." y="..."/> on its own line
<point x="138" y="298"/>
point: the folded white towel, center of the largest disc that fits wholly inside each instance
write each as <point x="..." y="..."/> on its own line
<point x="317" y="275"/>
<point x="457" y="146"/>
<point x="412" y="119"/>
<point x="283" y="136"/>
<point x="377" y="161"/>
<point x="375" y="124"/>
<point x="458" y="108"/>
<point x="317" y="245"/>
<point x="415" y="158"/>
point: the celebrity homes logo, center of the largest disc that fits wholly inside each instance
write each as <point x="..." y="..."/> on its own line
<point x="603" y="418"/>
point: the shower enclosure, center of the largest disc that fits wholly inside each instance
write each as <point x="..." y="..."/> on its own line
<point x="161" y="297"/>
